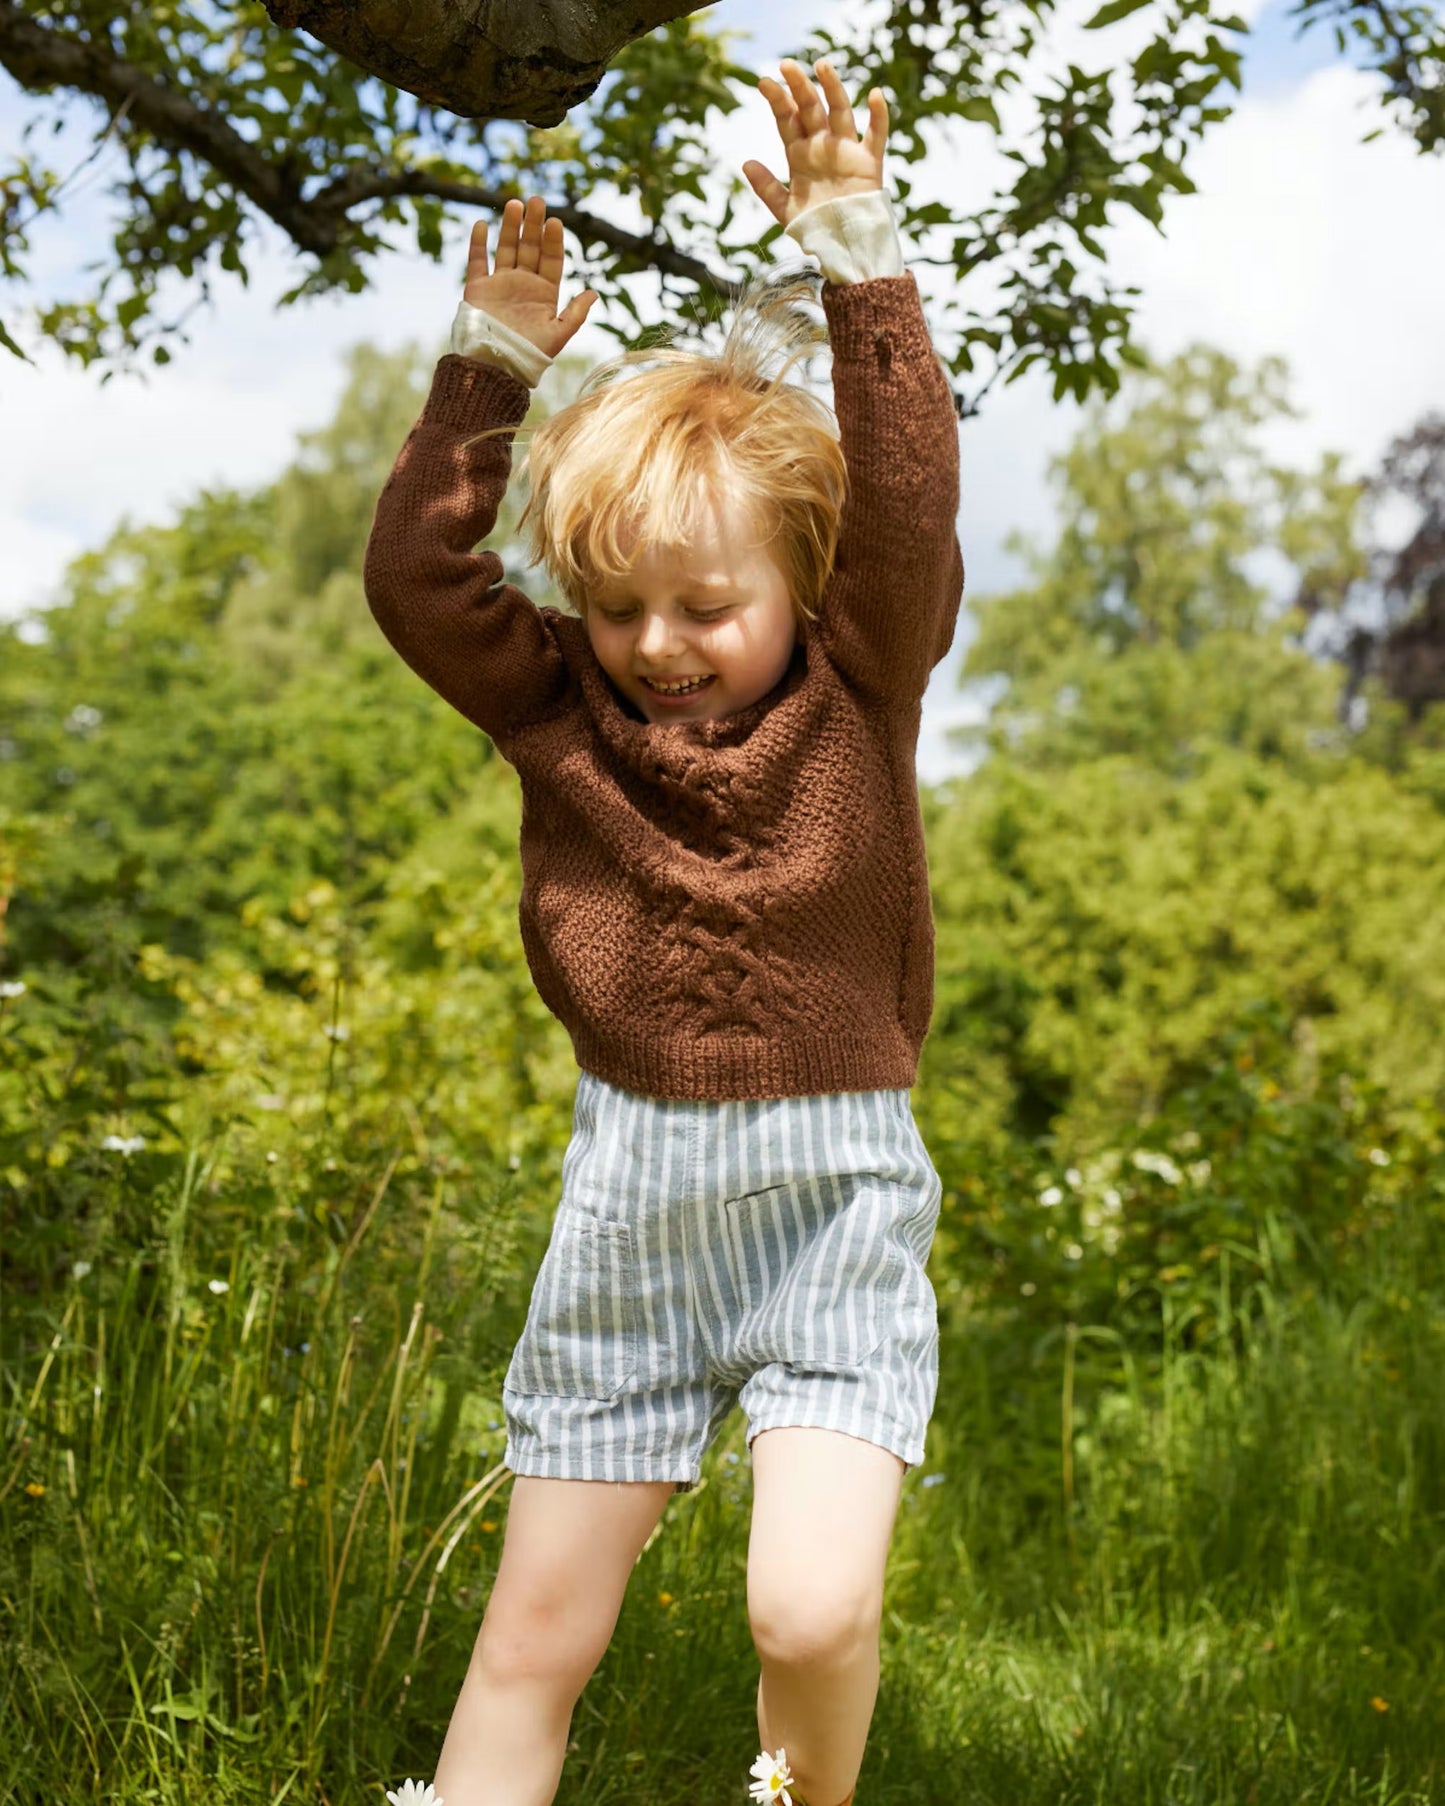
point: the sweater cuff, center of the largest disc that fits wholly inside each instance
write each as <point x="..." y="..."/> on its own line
<point x="477" y="334"/>
<point x="469" y="392"/>
<point x="853" y="236"/>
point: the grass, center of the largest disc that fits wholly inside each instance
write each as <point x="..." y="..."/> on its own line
<point x="252" y="1501"/>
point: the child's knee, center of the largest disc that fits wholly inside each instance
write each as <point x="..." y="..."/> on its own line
<point x="538" y="1634"/>
<point x="795" y="1627"/>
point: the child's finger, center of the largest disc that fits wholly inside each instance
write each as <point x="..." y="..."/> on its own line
<point x="769" y="190"/>
<point x="507" y="235"/>
<point x="876" y="137"/>
<point x="784" y="111"/>
<point x="529" y="250"/>
<point x="553" y="253"/>
<point x="477" y="251"/>
<point x="840" y="108"/>
<point x="810" y="109"/>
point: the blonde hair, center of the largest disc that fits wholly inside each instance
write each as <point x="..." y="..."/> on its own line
<point x="656" y="431"/>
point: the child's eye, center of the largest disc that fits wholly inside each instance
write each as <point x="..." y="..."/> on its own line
<point x="698" y="614"/>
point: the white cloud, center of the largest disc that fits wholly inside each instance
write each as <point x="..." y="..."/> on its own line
<point x="1306" y="243"/>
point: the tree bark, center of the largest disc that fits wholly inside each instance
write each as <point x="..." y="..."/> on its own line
<point x="531" y="60"/>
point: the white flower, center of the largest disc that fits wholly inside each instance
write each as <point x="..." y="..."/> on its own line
<point x="81" y="1268"/>
<point x="339" y="1032"/>
<point x="13" y="987"/>
<point x="1074" y="1176"/>
<point x="1052" y="1196"/>
<point x="218" y="1286"/>
<point x="1377" y="1156"/>
<point x="414" y="1794"/>
<point x="124" y="1144"/>
<point x="1074" y="1251"/>
<point x="772" y="1778"/>
<point x="1149" y="1162"/>
<point x="270" y="1100"/>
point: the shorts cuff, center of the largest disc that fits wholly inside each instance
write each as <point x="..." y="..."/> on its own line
<point x="540" y="1464"/>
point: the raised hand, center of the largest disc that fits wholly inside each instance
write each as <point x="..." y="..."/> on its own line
<point x="525" y="282"/>
<point x="826" y="157"/>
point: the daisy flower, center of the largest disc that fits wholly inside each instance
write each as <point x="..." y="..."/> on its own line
<point x="414" y="1794"/>
<point x="771" y="1778"/>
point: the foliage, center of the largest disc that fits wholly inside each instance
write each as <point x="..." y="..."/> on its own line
<point x="1145" y="630"/>
<point x="258" y="123"/>
<point x="1098" y="928"/>
<point x="254" y="1503"/>
<point x="221" y="801"/>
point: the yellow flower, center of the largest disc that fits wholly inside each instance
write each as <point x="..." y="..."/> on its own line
<point x="35" y="1489"/>
<point x="1380" y="1705"/>
<point x="489" y="1523"/>
<point x="664" y="1598"/>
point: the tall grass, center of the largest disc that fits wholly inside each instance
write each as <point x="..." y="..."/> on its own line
<point x="252" y="1502"/>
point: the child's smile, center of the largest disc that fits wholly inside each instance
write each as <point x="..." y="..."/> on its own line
<point x="720" y="613"/>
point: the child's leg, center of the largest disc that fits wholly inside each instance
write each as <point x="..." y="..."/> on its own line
<point x="823" y="1511"/>
<point x="569" y="1549"/>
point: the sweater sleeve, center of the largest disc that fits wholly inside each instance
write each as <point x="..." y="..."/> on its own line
<point x="890" y="609"/>
<point x="478" y="641"/>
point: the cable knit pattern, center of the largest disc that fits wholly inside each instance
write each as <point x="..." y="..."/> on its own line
<point x="734" y="908"/>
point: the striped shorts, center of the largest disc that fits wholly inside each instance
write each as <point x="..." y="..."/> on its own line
<point x="768" y="1252"/>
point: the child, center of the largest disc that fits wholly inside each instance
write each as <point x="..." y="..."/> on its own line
<point x="725" y="900"/>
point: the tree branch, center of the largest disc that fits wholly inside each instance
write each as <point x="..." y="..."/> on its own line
<point x="39" y="57"/>
<point x="483" y="59"/>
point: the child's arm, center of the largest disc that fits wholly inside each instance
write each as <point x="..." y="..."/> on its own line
<point x="479" y="642"/>
<point x="891" y="607"/>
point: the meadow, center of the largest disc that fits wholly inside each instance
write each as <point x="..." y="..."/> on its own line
<point x="1178" y="1542"/>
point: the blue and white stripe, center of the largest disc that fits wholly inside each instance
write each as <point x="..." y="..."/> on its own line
<point x="764" y="1251"/>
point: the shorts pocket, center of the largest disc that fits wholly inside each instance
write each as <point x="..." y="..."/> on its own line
<point x="580" y="1337"/>
<point x="820" y="1269"/>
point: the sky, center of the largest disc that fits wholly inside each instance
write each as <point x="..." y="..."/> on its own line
<point x="1301" y="241"/>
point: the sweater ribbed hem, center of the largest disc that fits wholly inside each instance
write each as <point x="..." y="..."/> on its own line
<point x="717" y="1067"/>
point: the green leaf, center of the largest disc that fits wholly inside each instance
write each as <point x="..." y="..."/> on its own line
<point x="1113" y="11"/>
<point x="980" y="108"/>
<point x="10" y="345"/>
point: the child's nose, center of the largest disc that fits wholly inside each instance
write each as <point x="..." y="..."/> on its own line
<point x="656" y="636"/>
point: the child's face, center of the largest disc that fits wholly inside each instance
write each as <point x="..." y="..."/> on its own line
<point x="723" y="613"/>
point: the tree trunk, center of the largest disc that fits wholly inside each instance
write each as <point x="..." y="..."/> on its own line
<point x="483" y="59"/>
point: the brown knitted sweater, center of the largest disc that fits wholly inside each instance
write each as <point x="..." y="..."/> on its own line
<point x="736" y="908"/>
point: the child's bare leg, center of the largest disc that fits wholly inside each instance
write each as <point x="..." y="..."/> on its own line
<point x="568" y="1552"/>
<point x="823" y="1511"/>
